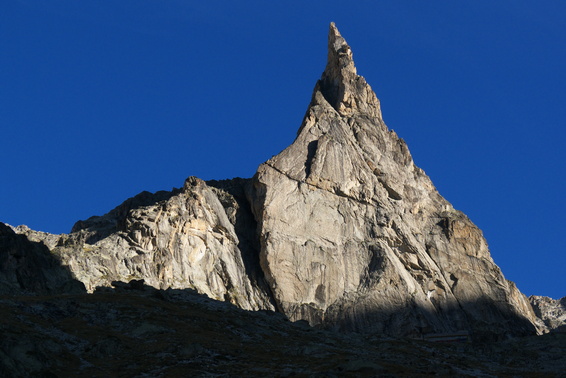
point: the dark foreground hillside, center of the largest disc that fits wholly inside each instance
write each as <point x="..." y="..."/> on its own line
<point x="137" y="331"/>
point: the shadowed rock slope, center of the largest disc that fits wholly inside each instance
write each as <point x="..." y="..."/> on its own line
<point x="138" y="331"/>
<point x="340" y="229"/>
<point x="29" y="267"/>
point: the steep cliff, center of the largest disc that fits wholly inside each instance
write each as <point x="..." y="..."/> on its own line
<point x="340" y="229"/>
<point x="353" y="234"/>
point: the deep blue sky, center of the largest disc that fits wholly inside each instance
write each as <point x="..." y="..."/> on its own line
<point x="100" y="100"/>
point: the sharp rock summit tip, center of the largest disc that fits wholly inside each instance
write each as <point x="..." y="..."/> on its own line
<point x="340" y="85"/>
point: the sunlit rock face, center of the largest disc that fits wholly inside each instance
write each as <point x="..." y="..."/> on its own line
<point x="182" y="239"/>
<point x="199" y="237"/>
<point x="340" y="229"/>
<point x="552" y="312"/>
<point x="354" y="235"/>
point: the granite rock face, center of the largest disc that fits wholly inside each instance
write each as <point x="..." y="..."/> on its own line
<point x="181" y="239"/>
<point x="551" y="311"/>
<point x="354" y="235"/>
<point x="341" y="229"/>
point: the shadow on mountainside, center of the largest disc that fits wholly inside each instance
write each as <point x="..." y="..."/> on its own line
<point x="138" y="330"/>
<point x="245" y="227"/>
<point x="28" y="267"/>
<point x="483" y="319"/>
<point x="411" y="322"/>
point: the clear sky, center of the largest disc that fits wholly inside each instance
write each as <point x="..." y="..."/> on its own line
<point x="100" y="100"/>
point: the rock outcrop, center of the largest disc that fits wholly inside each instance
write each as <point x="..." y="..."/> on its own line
<point x="341" y="229"/>
<point x="199" y="237"/>
<point x="181" y="239"/>
<point x="551" y="311"/>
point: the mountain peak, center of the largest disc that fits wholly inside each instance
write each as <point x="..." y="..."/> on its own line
<point x="340" y="84"/>
<point x="340" y="229"/>
<point x="354" y="235"/>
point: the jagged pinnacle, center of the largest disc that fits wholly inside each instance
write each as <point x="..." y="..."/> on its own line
<point x="340" y="56"/>
<point x="340" y="85"/>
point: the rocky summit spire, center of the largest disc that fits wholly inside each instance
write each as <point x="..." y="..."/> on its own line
<point x="340" y="85"/>
<point x="340" y="57"/>
<point x="353" y="235"/>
